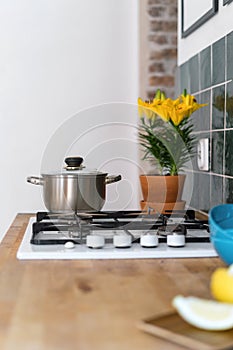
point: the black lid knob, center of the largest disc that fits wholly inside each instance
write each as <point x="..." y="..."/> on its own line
<point x="74" y="162"/>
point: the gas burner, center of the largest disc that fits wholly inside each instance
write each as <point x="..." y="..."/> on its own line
<point x="122" y="229"/>
<point x="110" y="235"/>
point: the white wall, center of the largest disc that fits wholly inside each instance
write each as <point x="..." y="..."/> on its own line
<point x="215" y="28"/>
<point x="57" y="58"/>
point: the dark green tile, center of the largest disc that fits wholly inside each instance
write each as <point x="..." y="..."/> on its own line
<point x="201" y="192"/>
<point x="205" y="111"/>
<point x="216" y="196"/>
<point x="218" y="61"/>
<point x="184" y="77"/>
<point x="194" y="74"/>
<point x="229" y="152"/>
<point x="218" y="107"/>
<point x="195" y="117"/>
<point x="201" y="118"/>
<point x="204" y="192"/>
<point x="228" y="190"/>
<point x="229" y="105"/>
<point x="217" y="142"/>
<point x="194" y="203"/>
<point x="205" y="68"/>
<point x="230" y="56"/>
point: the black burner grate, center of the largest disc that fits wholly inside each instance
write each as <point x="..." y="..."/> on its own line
<point x="51" y="228"/>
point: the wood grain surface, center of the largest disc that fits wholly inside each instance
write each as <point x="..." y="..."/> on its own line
<point x="89" y="304"/>
<point x="171" y="326"/>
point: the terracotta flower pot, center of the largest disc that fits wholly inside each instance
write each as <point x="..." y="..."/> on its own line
<point x="162" y="189"/>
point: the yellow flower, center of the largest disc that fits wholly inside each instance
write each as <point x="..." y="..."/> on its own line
<point x="179" y="112"/>
<point x="191" y="102"/>
<point x="159" y="106"/>
<point x="144" y="108"/>
<point x="157" y="139"/>
<point x="162" y="108"/>
<point x="174" y="110"/>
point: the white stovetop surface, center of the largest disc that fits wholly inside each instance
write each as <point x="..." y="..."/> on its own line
<point x="58" y="251"/>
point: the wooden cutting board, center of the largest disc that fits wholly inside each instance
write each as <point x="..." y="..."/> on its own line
<point x="173" y="328"/>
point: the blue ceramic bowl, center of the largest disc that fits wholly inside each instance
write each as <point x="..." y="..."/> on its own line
<point x="224" y="248"/>
<point x="221" y="221"/>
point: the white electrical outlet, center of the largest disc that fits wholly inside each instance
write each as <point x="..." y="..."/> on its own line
<point x="203" y="154"/>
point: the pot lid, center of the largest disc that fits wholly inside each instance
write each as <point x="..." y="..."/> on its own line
<point x="75" y="167"/>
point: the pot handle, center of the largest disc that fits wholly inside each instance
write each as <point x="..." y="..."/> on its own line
<point x="35" y="180"/>
<point x="112" y="178"/>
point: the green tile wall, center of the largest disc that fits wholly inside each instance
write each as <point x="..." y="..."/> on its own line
<point x="209" y="76"/>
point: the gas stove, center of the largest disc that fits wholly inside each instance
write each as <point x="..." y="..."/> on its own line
<point x="116" y="235"/>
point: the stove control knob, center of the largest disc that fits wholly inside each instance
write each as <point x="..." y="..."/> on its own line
<point x="95" y="241"/>
<point x="122" y="241"/>
<point x="149" y="240"/>
<point x="176" y="240"/>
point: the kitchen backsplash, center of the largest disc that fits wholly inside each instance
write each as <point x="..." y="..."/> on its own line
<point x="208" y="75"/>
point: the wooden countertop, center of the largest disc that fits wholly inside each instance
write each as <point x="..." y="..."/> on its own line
<point x="89" y="304"/>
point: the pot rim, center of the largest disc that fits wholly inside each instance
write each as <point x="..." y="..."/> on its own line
<point x="74" y="174"/>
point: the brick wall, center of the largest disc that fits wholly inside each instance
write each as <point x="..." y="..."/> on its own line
<point x="158" y="52"/>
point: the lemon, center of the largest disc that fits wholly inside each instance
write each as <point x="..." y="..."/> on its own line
<point x="221" y="284"/>
<point x="205" y="314"/>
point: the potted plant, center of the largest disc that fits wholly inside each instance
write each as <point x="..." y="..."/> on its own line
<point x="165" y="134"/>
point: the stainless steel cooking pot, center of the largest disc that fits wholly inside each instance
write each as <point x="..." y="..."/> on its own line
<point x="75" y="189"/>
